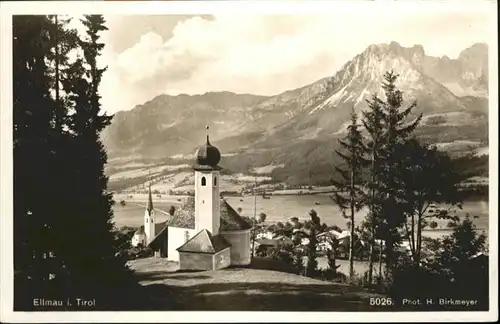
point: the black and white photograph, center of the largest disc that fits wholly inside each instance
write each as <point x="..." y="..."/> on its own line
<point x="210" y="158"/>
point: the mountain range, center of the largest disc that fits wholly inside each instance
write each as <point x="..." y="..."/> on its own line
<point x="298" y="128"/>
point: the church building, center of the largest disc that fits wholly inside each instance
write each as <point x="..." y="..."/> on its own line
<point x="205" y="233"/>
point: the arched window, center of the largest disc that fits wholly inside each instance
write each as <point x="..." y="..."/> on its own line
<point x="146" y="220"/>
<point x="203" y="181"/>
<point x="215" y="181"/>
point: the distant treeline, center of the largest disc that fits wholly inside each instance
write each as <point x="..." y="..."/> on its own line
<point x="471" y="165"/>
<point x="475" y="192"/>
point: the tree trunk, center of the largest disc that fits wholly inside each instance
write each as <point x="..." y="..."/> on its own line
<point x="412" y="231"/>
<point x="389" y="255"/>
<point x="370" y="257"/>
<point x="419" y="240"/>
<point x="410" y="237"/>
<point x="372" y="203"/>
<point x="380" y="259"/>
<point x="351" y="241"/>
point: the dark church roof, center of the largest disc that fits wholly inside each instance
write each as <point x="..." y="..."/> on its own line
<point x="161" y="235"/>
<point x="230" y="220"/>
<point x="158" y="228"/>
<point x="204" y="242"/>
<point x="207" y="157"/>
<point x="183" y="215"/>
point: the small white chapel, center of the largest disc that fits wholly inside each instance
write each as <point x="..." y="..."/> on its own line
<point x="205" y="233"/>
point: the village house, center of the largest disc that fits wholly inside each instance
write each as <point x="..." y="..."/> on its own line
<point x="205" y="233"/>
<point x="268" y="235"/>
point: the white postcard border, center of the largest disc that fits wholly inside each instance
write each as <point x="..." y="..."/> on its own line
<point x="241" y="7"/>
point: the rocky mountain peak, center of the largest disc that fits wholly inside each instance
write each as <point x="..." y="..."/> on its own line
<point x="170" y="125"/>
<point x="479" y="50"/>
<point x="365" y="71"/>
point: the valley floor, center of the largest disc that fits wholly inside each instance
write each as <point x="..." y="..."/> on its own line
<point x="244" y="289"/>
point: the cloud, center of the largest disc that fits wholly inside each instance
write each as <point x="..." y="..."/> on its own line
<point x="267" y="54"/>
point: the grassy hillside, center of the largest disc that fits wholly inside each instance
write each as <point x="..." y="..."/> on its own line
<point x="244" y="289"/>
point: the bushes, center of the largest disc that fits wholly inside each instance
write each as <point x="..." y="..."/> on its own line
<point x="136" y="253"/>
<point x="426" y="283"/>
<point x="336" y="228"/>
<point x="475" y="191"/>
<point x="360" y="280"/>
<point x="331" y="275"/>
<point x="456" y="269"/>
<point x="413" y="283"/>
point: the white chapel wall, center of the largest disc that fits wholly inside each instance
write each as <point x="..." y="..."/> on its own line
<point x="240" y="246"/>
<point x="176" y="238"/>
<point x="222" y="259"/>
<point x="137" y="239"/>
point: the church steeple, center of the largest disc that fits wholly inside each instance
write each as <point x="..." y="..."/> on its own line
<point x="149" y="218"/>
<point x="149" y="207"/>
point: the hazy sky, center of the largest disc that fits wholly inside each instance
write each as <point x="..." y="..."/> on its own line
<point x="260" y="54"/>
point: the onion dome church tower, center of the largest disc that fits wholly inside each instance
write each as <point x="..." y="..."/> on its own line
<point x="206" y="189"/>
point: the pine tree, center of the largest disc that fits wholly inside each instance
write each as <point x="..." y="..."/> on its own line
<point x="350" y="192"/>
<point x="64" y="238"/>
<point x="32" y="142"/>
<point x="96" y="261"/>
<point x="331" y="255"/>
<point x="63" y="41"/>
<point x="312" y="262"/>
<point x="397" y="130"/>
<point x="39" y="151"/>
<point x="387" y="125"/>
<point x="90" y="247"/>
<point x="373" y="123"/>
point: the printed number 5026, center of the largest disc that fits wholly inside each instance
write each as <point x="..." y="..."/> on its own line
<point x="381" y="301"/>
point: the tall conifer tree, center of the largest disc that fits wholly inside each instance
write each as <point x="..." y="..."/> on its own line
<point x="64" y="237"/>
<point x="397" y="130"/>
<point x="93" y="263"/>
<point x="373" y="123"/>
<point x="387" y="124"/>
<point x="350" y="194"/>
<point x="32" y="135"/>
<point x="39" y="151"/>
